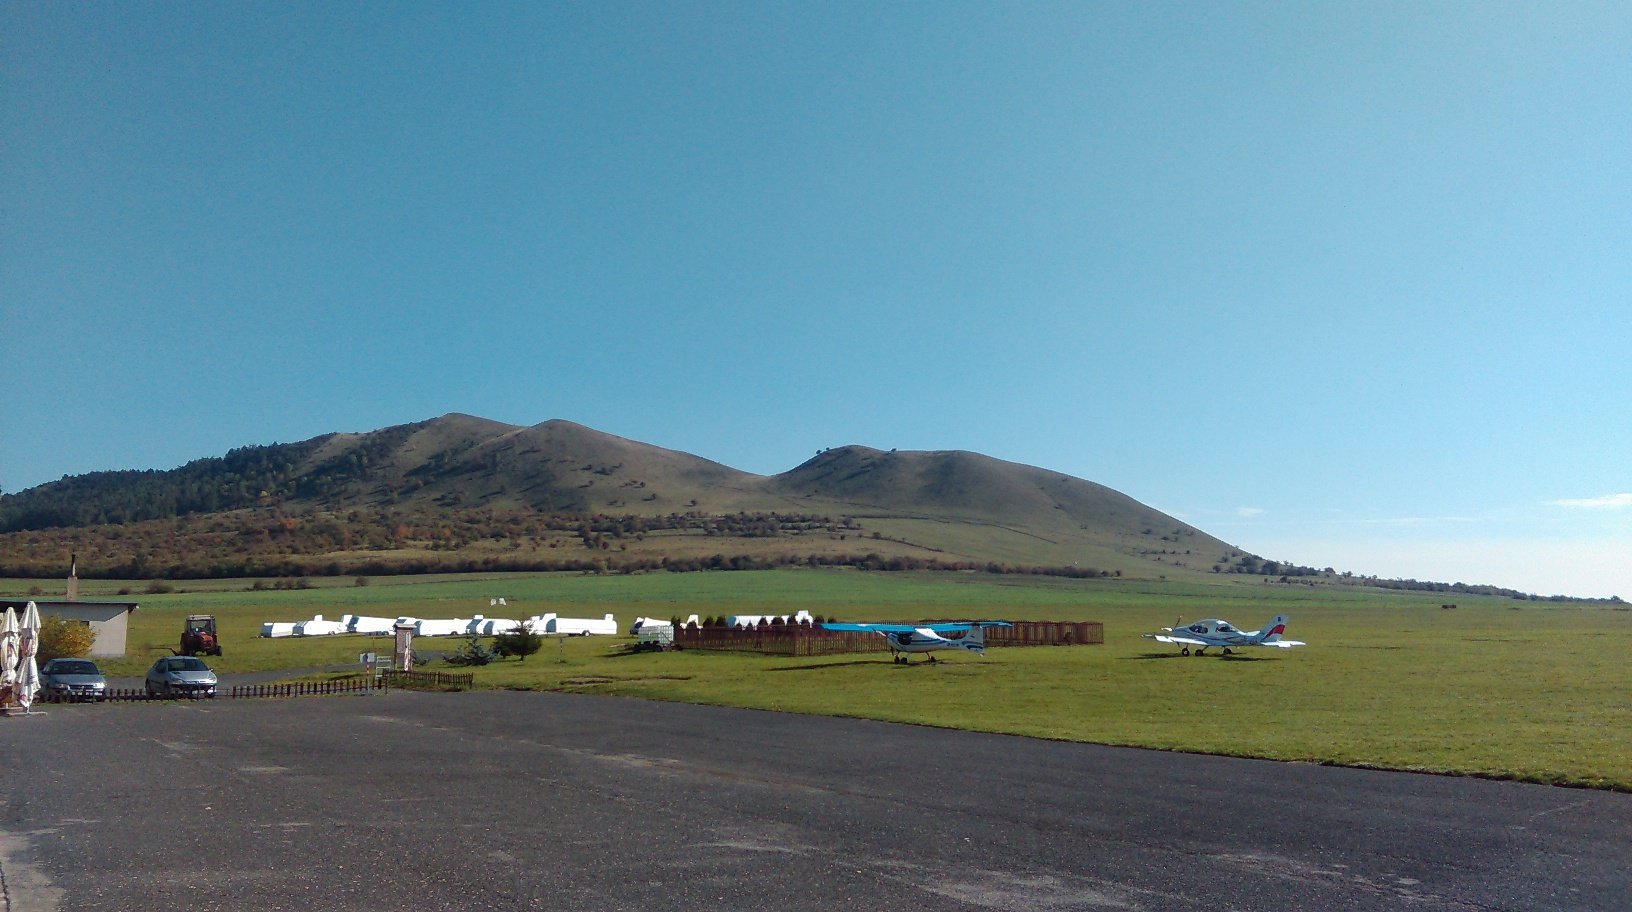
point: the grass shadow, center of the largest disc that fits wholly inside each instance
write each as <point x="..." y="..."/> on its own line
<point x="848" y="664"/>
<point x="1232" y="657"/>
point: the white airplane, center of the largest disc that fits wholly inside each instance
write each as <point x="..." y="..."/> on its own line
<point x="1214" y="632"/>
<point x="904" y="639"/>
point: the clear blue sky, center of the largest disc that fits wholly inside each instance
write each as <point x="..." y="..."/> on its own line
<point x="1345" y="284"/>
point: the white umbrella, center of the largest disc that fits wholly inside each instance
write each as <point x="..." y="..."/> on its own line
<point x="28" y="646"/>
<point x="9" y="649"/>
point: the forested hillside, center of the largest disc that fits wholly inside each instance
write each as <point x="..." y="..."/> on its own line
<point x="460" y="492"/>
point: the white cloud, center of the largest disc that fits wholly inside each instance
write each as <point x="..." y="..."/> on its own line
<point x="1607" y="502"/>
<point x="1249" y="512"/>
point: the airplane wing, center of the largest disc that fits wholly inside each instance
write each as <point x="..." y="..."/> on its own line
<point x="955" y="626"/>
<point x="1186" y="641"/>
<point x="870" y="628"/>
<point x="937" y="629"/>
<point x="1283" y="644"/>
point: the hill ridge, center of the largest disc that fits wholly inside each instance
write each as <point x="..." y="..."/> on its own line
<point x="955" y="504"/>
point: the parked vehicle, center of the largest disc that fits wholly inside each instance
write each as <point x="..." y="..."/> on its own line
<point x="655" y="637"/>
<point x="198" y="636"/>
<point x="184" y="676"/>
<point x="73" y="679"/>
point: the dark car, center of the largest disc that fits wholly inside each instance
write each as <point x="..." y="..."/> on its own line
<point x="184" y="676"/>
<point x="72" y="679"/>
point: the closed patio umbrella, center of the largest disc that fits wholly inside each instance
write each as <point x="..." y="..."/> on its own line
<point x="10" y="650"/>
<point x="28" y="646"/>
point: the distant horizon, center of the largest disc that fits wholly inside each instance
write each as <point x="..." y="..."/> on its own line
<point x="1277" y="550"/>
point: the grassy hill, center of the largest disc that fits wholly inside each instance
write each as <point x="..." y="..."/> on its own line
<point x="461" y="492"/>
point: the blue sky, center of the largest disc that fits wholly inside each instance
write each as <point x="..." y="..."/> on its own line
<point x="1346" y="284"/>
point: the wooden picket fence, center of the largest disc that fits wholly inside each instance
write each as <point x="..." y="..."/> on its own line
<point x="401" y="680"/>
<point x="806" y="640"/>
<point x="777" y="639"/>
<point x="1047" y="633"/>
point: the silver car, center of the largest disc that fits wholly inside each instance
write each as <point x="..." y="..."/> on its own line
<point x="72" y="679"/>
<point x="185" y="676"/>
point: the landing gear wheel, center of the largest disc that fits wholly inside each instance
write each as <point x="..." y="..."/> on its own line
<point x="1226" y="650"/>
<point x="1185" y="651"/>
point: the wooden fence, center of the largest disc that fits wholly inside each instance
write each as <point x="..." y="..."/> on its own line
<point x="777" y="639"/>
<point x="802" y="640"/>
<point x="402" y="680"/>
<point x="1047" y="633"/>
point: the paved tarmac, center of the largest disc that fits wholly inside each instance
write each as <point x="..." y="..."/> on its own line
<point x="505" y="801"/>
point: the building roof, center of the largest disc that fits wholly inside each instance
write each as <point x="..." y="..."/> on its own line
<point x="47" y="604"/>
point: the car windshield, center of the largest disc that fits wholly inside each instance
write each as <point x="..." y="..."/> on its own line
<point x="187" y="665"/>
<point x="74" y="668"/>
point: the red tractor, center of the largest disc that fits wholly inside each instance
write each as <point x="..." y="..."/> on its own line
<point x="198" y="637"/>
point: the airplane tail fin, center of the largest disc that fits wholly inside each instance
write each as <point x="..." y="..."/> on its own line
<point x="1272" y="631"/>
<point x="975" y="640"/>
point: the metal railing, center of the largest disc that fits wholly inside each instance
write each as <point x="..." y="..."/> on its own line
<point x="425" y="680"/>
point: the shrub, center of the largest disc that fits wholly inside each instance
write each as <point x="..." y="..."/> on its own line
<point x="61" y="638"/>
<point x="472" y="653"/>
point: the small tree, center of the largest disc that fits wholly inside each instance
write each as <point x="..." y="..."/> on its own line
<point x="521" y="641"/>
<point x="61" y="638"/>
<point x="472" y="653"/>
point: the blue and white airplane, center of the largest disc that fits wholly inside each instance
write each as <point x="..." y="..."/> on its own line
<point x="904" y="639"/>
<point x="1214" y="632"/>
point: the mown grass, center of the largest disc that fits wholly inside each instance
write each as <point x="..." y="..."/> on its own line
<point x="1533" y="691"/>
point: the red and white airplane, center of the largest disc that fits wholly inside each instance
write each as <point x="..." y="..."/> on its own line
<point x="1214" y="632"/>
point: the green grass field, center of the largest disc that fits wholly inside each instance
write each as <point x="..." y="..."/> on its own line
<point x="1534" y="691"/>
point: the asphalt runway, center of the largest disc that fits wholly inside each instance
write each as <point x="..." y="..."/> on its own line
<point x="495" y="800"/>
